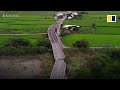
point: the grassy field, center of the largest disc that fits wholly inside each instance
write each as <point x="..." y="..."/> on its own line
<point x="94" y="40"/>
<point x="27" y="22"/>
<point x="23" y="29"/>
<point x="32" y="38"/>
<point x="29" y="14"/>
<point x="109" y="31"/>
<point x="30" y="22"/>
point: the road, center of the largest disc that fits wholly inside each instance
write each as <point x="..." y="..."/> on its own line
<point x="58" y="71"/>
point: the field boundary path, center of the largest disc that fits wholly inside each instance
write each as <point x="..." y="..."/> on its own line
<point x="104" y="47"/>
<point x="21" y="34"/>
<point x="59" y="68"/>
<point x="97" y="47"/>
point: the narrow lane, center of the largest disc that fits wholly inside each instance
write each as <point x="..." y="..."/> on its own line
<point x="58" y="71"/>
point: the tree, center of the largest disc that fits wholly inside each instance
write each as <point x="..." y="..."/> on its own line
<point x="81" y="44"/>
<point x="94" y="27"/>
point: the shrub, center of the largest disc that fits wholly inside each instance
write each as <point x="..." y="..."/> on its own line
<point x="42" y="50"/>
<point x="81" y="44"/>
<point x="20" y="46"/>
<point x="34" y="50"/>
<point x="10" y="51"/>
<point x="112" y="70"/>
<point x="17" y="42"/>
<point x="116" y="54"/>
<point x="22" y="50"/>
<point x="98" y="64"/>
<point x="43" y="42"/>
<point x="64" y="32"/>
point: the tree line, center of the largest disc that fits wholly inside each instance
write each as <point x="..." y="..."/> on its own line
<point x="21" y="46"/>
<point x="104" y="63"/>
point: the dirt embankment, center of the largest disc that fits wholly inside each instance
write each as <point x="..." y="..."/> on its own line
<point x="24" y="68"/>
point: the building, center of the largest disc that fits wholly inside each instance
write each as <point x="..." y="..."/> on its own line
<point x="70" y="15"/>
<point x="59" y="15"/>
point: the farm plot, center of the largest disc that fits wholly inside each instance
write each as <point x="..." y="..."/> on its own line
<point x="94" y="40"/>
<point x="32" y="38"/>
<point x="27" y="22"/>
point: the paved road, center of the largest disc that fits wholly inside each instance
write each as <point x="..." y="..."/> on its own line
<point x="58" y="24"/>
<point x="59" y="67"/>
<point x="58" y="71"/>
<point x="57" y="50"/>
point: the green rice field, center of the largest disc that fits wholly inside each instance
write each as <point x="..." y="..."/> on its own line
<point x="34" y="22"/>
<point x="94" y="40"/>
<point x="109" y="31"/>
<point x="32" y="38"/>
<point x="27" y="22"/>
